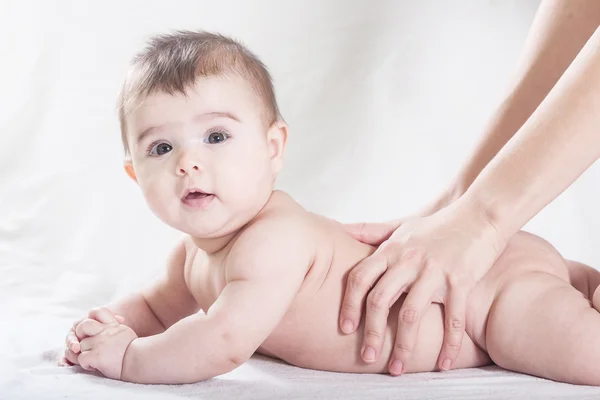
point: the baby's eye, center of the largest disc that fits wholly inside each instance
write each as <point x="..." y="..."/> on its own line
<point x="216" y="137"/>
<point x="159" y="149"/>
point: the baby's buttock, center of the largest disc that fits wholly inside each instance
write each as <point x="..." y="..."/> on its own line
<point x="524" y="254"/>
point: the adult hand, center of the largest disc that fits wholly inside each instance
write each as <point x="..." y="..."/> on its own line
<point x="436" y="258"/>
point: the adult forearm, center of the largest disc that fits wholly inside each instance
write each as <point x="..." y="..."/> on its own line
<point x="556" y="145"/>
<point x="192" y="350"/>
<point x="138" y="315"/>
<point x="559" y="31"/>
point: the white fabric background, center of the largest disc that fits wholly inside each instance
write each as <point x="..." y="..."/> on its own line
<point x="384" y="100"/>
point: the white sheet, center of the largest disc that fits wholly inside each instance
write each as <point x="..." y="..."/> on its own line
<point x="384" y="100"/>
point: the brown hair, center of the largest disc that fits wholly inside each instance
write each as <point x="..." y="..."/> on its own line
<point x="172" y="62"/>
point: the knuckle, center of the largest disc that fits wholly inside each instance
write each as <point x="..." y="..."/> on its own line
<point x="358" y="278"/>
<point x="453" y="347"/>
<point x="403" y="348"/>
<point x="93" y="312"/>
<point x="377" y="299"/>
<point x="456" y="324"/>
<point x="97" y="311"/>
<point x="372" y="335"/>
<point x="350" y="308"/>
<point x="412" y="252"/>
<point x="409" y="315"/>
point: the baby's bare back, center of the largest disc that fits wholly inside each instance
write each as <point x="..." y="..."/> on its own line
<point x="309" y="335"/>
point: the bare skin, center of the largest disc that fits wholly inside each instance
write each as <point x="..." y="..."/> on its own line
<point x="530" y="296"/>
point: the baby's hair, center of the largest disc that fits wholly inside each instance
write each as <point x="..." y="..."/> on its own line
<point x="172" y="62"/>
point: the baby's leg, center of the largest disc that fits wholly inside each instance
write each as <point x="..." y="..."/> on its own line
<point x="543" y="326"/>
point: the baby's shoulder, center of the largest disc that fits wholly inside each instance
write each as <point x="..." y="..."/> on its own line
<point x="281" y="227"/>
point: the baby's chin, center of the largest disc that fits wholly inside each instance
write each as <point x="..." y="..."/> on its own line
<point x="205" y="227"/>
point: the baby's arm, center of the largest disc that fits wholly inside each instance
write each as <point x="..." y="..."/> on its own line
<point x="148" y="312"/>
<point x="264" y="271"/>
<point x="165" y="302"/>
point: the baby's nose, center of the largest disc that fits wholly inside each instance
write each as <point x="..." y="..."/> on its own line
<point x="186" y="170"/>
<point x="187" y="164"/>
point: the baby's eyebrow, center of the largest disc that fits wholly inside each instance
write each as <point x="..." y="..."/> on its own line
<point x="199" y="117"/>
<point x="147" y="132"/>
<point x="216" y="114"/>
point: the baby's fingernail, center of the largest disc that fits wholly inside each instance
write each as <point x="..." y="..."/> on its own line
<point x="446" y="364"/>
<point x="396" y="367"/>
<point x="369" y="354"/>
<point x="347" y="326"/>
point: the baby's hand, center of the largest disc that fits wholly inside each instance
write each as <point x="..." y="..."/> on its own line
<point x="105" y="350"/>
<point x="83" y="328"/>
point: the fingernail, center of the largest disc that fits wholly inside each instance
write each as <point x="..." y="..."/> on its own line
<point x="396" y="367"/>
<point x="369" y="354"/>
<point x="347" y="326"/>
<point x="446" y="364"/>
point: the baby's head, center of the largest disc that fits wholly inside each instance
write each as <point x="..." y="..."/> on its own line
<point x="202" y="132"/>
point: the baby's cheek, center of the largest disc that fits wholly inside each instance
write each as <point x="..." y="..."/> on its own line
<point x="156" y="199"/>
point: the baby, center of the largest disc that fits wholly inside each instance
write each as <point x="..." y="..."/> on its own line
<point x="256" y="272"/>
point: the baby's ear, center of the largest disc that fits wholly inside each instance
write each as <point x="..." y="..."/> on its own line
<point x="276" y="140"/>
<point x="128" y="165"/>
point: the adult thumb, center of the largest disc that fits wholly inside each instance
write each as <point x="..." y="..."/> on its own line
<point x="372" y="233"/>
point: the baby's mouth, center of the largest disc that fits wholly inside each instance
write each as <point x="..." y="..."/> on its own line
<point x="196" y="198"/>
<point x="196" y="195"/>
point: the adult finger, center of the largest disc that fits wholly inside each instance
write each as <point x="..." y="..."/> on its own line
<point x="454" y="326"/>
<point x="409" y="320"/>
<point x="360" y="280"/>
<point x="103" y="315"/>
<point x="383" y="295"/>
<point x="372" y="233"/>
<point x="88" y="327"/>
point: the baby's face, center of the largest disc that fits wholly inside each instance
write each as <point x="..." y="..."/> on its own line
<point x="205" y="162"/>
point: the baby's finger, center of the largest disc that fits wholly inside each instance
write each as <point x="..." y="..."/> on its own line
<point x="71" y="357"/>
<point x="77" y="323"/>
<point x="88" y="343"/>
<point x="119" y="319"/>
<point x="86" y="358"/>
<point x="89" y="327"/>
<point x="103" y="315"/>
<point x="72" y="341"/>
